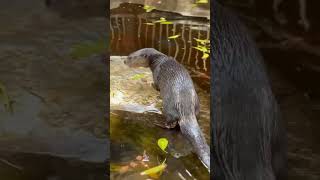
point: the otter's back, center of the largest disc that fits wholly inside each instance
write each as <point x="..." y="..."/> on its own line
<point x="176" y="86"/>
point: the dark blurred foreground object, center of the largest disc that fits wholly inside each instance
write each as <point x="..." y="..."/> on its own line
<point x="79" y="8"/>
<point x="248" y="137"/>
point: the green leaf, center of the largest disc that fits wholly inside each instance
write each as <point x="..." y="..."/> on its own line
<point x="163" y="143"/>
<point x="155" y="170"/>
<point x="174" y="36"/>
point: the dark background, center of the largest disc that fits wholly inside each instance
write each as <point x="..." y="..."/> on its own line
<point x="291" y="51"/>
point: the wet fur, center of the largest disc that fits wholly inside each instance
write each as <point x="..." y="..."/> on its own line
<point x="180" y="100"/>
<point x="248" y="136"/>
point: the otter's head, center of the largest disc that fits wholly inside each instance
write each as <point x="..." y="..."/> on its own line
<point x="141" y="58"/>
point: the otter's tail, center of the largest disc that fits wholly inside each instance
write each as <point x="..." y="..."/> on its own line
<point x="190" y="128"/>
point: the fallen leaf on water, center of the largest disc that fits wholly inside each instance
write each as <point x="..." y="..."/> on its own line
<point x="174" y="36"/>
<point x="202" y="41"/>
<point x="154" y="170"/>
<point x="150" y="24"/>
<point x="162" y="19"/>
<point x="163" y="144"/>
<point x="202" y="1"/>
<point x="149" y="8"/>
<point x="202" y="49"/>
<point x="166" y="22"/>
<point x="205" y="56"/>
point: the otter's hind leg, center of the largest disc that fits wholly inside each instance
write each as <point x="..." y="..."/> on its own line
<point x="171" y="116"/>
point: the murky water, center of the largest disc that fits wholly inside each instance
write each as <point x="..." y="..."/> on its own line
<point x="298" y="95"/>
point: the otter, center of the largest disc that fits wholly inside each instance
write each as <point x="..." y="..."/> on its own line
<point x="180" y="100"/>
<point x="248" y="135"/>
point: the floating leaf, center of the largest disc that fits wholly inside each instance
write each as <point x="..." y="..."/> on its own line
<point x="150" y="24"/>
<point x="202" y="49"/>
<point x="138" y="76"/>
<point x="166" y="22"/>
<point x="155" y="170"/>
<point x="201" y="1"/>
<point x="202" y="41"/>
<point x="163" y="143"/>
<point x="149" y="8"/>
<point x="174" y="36"/>
<point x="194" y="5"/>
<point x="162" y="19"/>
<point x="205" y="56"/>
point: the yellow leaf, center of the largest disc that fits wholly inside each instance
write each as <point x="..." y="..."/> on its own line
<point x="202" y="41"/>
<point x="202" y="1"/>
<point x="138" y="76"/>
<point x="163" y="143"/>
<point x="154" y="170"/>
<point x="205" y="56"/>
<point x="162" y="19"/>
<point x="166" y="22"/>
<point x="149" y="8"/>
<point x="201" y="48"/>
<point x="174" y="36"/>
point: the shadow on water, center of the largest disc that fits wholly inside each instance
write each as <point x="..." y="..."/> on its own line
<point x="135" y="104"/>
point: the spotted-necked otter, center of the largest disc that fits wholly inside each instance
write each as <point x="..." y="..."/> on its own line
<point x="180" y="100"/>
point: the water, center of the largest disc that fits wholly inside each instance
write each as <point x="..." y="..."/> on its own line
<point x="129" y="32"/>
